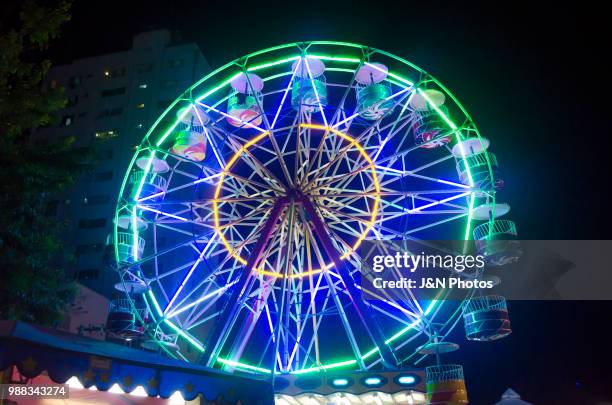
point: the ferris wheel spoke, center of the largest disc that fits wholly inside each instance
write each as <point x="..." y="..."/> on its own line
<point x="246" y="156"/>
<point x="335" y="120"/>
<point x="327" y="181"/>
<point x="410" y="173"/>
<point x="411" y="231"/>
<point x="340" y="154"/>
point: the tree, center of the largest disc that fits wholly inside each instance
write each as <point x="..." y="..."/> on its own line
<point x="32" y="288"/>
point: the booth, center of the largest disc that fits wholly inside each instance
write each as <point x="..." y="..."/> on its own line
<point x="99" y="366"/>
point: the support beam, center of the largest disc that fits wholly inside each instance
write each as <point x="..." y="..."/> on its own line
<point x="240" y="292"/>
<point x="362" y="310"/>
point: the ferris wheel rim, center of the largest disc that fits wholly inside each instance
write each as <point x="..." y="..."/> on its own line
<point x="244" y="61"/>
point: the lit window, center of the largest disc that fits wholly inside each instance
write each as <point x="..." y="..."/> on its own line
<point x="106" y="134"/>
<point x="142" y="86"/>
<point x="114" y="72"/>
<point x="140" y="105"/>
<point x="67" y="120"/>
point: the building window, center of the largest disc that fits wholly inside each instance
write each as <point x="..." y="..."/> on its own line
<point x="106" y="154"/>
<point x="113" y="92"/>
<point x="175" y="63"/>
<point x="89" y="248"/>
<point x="163" y="104"/>
<point x="87" y="274"/>
<point x="169" y="83"/>
<point x="115" y="72"/>
<point x="97" y="199"/>
<point x="92" y="223"/>
<point x="103" y="176"/>
<point x="111" y="112"/>
<point x="74" y="82"/>
<point x="51" y="208"/>
<point x="111" y="133"/>
<point x="142" y="86"/>
<point x="67" y="120"/>
<point x="72" y="100"/>
<point x="140" y="106"/>
<point x="144" y="67"/>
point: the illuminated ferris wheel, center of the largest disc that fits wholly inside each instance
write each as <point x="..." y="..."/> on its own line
<point x="239" y="222"/>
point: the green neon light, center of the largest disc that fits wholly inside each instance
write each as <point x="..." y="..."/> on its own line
<point x="349" y="44"/>
<point x="370" y="353"/>
<point x="173" y="126"/>
<point x="400" y="78"/>
<point x="431" y="306"/>
<point x="158" y="309"/>
<point x="326" y="367"/>
<point x="270" y="64"/>
<point x="334" y="58"/>
<point x="217" y="88"/>
<point x="276" y="76"/>
<point x="146" y="171"/>
<point x="134" y="234"/>
<point x="401" y="332"/>
<point x="435" y="107"/>
<point x="185" y="335"/>
<point x="467" y="166"/>
<point x="243" y="365"/>
<point x="134" y="214"/>
<point x="335" y="69"/>
<point x="274" y="48"/>
<point x="468" y="228"/>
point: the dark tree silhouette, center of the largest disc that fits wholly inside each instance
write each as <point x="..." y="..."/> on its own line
<point x="32" y="288"/>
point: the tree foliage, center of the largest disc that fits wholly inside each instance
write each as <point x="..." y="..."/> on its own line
<point x="32" y="288"/>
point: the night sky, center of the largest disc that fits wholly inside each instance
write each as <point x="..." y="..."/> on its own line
<point x="534" y="80"/>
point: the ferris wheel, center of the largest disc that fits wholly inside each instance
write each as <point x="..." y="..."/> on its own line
<point x="239" y="221"/>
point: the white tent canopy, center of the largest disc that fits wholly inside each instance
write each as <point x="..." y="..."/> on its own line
<point x="510" y="397"/>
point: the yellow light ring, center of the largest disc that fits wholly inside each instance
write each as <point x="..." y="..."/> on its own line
<point x="218" y="191"/>
<point x="352" y="142"/>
